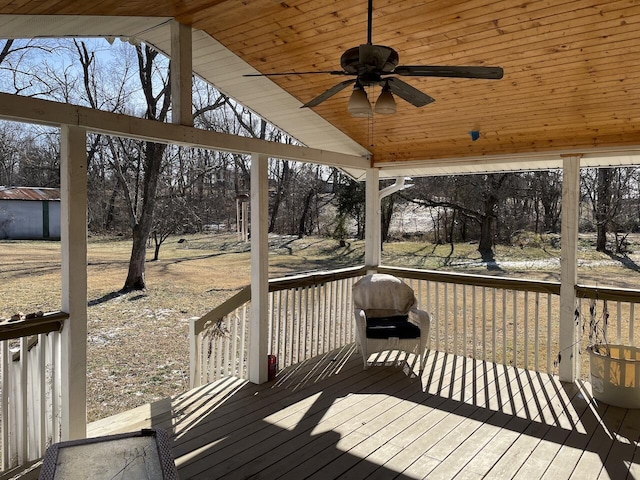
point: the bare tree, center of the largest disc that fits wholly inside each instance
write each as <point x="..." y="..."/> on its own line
<point x="158" y="102"/>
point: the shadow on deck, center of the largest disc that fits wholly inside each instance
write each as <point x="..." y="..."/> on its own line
<point x="329" y="418"/>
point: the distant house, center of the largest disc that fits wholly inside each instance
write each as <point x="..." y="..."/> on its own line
<point x="29" y="213"/>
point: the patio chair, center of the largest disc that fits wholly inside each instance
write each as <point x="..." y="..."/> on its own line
<point x="387" y="317"/>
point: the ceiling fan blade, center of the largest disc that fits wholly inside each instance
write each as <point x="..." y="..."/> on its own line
<point x="487" y="73"/>
<point x="329" y="93"/>
<point x="277" y="74"/>
<point x="409" y="93"/>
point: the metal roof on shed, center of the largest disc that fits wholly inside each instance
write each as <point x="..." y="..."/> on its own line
<point x="29" y="193"/>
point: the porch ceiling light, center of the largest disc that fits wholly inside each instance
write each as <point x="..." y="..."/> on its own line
<point x="385" y="104"/>
<point x="359" y="105"/>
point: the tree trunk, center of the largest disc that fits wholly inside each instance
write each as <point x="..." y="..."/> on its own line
<point x="157" y="243"/>
<point x="282" y="189"/>
<point x="602" y="207"/>
<point x="305" y="213"/>
<point x="486" y="234"/>
<point x="386" y="215"/>
<point x="143" y="226"/>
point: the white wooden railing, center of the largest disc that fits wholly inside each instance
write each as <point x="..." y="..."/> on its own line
<point x="502" y="320"/>
<point x="31" y="387"/>
<point x="309" y="315"/>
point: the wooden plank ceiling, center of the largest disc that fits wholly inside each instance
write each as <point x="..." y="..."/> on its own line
<point x="572" y="68"/>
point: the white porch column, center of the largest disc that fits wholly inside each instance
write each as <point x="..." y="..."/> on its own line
<point x="569" y="368"/>
<point x="181" y="73"/>
<point x="73" y="232"/>
<point x="259" y="327"/>
<point x="372" y="219"/>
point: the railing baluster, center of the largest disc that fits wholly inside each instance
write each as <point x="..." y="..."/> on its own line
<point x="474" y="330"/>
<point x="339" y="314"/>
<point x="270" y="332"/>
<point x="504" y="327"/>
<point x="296" y="326"/>
<point x="494" y="324"/>
<point x="327" y="316"/>
<point x="455" y="319"/>
<point x="526" y="330"/>
<point x="549" y="325"/>
<point x="536" y="344"/>
<point x="465" y="318"/>
<point x="13" y="419"/>
<point x="234" y="348"/>
<point x="199" y="368"/>
<point x="344" y="286"/>
<point x="314" y="338"/>
<point x="437" y="315"/>
<point x="515" y="328"/>
<point x="484" y="323"/>
<point x="281" y="348"/>
<point x="229" y="368"/>
<point x="286" y="331"/>
<point x="308" y="322"/>
<point x="6" y="393"/>
<point x="333" y="314"/>
<point x="220" y="366"/>
<point x="244" y="373"/>
<point x="631" y="323"/>
<point x="619" y="324"/>
<point x="317" y="310"/>
<point x="214" y="357"/>
<point x="429" y="303"/>
<point x="305" y="321"/>
<point x="324" y="319"/>
<point x="446" y="317"/>
<point x="41" y="396"/>
<point x="22" y="402"/>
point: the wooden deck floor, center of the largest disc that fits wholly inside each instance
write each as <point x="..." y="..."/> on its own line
<point x="329" y="418"/>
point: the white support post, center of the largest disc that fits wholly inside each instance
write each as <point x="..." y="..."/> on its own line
<point x="181" y="73"/>
<point x="372" y="219"/>
<point x="73" y="232"/>
<point x="258" y="330"/>
<point x="569" y="369"/>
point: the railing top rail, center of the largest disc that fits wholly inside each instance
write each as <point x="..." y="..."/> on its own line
<point x="49" y="322"/>
<point x="314" y="278"/>
<point x="608" y="293"/>
<point x="240" y="298"/>
<point x="505" y="283"/>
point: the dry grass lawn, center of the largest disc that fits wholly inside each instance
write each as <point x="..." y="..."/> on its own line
<point x="138" y="345"/>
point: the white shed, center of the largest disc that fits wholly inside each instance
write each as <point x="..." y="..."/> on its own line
<point x="29" y="213"/>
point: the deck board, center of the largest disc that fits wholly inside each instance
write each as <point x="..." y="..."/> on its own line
<point x="328" y="418"/>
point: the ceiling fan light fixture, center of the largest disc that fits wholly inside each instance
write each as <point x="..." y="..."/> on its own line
<point x="359" y="105"/>
<point x="385" y="104"/>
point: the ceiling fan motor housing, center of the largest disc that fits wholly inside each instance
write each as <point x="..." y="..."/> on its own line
<point x="367" y="58"/>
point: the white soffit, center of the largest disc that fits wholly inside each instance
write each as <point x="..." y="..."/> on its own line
<point x="211" y="61"/>
<point x="47" y="26"/>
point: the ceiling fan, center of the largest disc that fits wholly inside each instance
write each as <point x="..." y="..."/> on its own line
<point x="376" y="65"/>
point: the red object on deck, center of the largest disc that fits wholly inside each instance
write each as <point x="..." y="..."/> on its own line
<point x="272" y="361"/>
